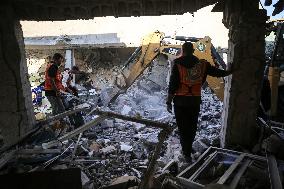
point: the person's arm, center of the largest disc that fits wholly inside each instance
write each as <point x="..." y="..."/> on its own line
<point x="69" y="80"/>
<point x="215" y="72"/>
<point x="173" y="84"/>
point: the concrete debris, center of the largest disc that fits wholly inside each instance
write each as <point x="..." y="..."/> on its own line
<point x="124" y="182"/>
<point x="126" y="110"/>
<point x="84" y="178"/>
<point x="40" y="116"/>
<point x="108" y="123"/>
<point x="95" y="147"/>
<point x="108" y="149"/>
<point x="125" y="147"/>
<point x="107" y="93"/>
<point x="115" y="152"/>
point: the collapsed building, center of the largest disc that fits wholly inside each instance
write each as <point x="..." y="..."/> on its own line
<point x="240" y="125"/>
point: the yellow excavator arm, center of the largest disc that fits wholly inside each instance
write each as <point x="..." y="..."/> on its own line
<point x="152" y="46"/>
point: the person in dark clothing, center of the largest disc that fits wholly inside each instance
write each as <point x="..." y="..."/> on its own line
<point x="187" y="77"/>
<point x="53" y="84"/>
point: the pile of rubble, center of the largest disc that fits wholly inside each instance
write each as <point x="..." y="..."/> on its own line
<point x="134" y="142"/>
<point x="116" y="148"/>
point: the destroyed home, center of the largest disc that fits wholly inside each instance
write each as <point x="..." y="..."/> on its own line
<point x="116" y="132"/>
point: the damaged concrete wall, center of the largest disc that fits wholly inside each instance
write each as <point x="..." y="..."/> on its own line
<point x="246" y="57"/>
<point x="100" y="63"/>
<point x="37" y="61"/>
<point x="16" y="110"/>
<point x="103" y="63"/>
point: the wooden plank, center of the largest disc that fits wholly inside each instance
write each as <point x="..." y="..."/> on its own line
<point x="198" y="163"/>
<point x="238" y="176"/>
<point x="274" y="175"/>
<point x="231" y="169"/>
<point x="146" y="122"/>
<point x="60" y="116"/>
<point x="203" y="166"/>
<point x="148" y="176"/>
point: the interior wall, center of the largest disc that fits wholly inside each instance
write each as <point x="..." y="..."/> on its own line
<point x="16" y="110"/>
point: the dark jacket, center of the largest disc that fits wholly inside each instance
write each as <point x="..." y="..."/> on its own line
<point x="189" y="62"/>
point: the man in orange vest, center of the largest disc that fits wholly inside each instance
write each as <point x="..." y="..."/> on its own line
<point x="187" y="77"/>
<point x="53" y="84"/>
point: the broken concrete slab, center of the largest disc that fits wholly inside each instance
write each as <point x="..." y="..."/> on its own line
<point x="124" y="182"/>
<point x="125" y="147"/>
<point x="108" y="149"/>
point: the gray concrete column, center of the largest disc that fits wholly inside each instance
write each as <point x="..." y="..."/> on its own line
<point x="69" y="58"/>
<point x="246" y="24"/>
<point x="16" y="110"/>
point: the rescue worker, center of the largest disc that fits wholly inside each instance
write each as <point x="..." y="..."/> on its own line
<point x="67" y="82"/>
<point x="53" y="84"/>
<point x="75" y="70"/>
<point x="187" y="77"/>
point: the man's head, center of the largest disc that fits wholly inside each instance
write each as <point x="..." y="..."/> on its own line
<point x="58" y="59"/>
<point x="187" y="48"/>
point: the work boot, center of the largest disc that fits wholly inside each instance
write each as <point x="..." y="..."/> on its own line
<point x="188" y="159"/>
<point x="185" y="162"/>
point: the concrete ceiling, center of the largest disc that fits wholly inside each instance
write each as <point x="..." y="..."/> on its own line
<point x="41" y="10"/>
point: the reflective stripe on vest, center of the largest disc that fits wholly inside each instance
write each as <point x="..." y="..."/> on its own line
<point x="190" y="80"/>
<point x="58" y="79"/>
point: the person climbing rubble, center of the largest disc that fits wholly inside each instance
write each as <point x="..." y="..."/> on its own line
<point x="53" y="84"/>
<point x="187" y="77"/>
<point x="67" y="82"/>
<point x="70" y="98"/>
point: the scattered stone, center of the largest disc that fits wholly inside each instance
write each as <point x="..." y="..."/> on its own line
<point x="108" y="149"/>
<point x="95" y="147"/>
<point x="108" y="123"/>
<point x="40" y="116"/>
<point x="123" y="182"/>
<point x="125" y="110"/>
<point x="84" y="178"/>
<point x="125" y="147"/>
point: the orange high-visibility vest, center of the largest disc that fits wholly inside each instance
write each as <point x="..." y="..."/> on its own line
<point x="58" y="80"/>
<point x="191" y="80"/>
